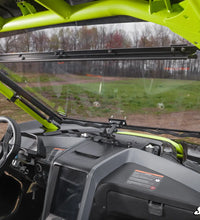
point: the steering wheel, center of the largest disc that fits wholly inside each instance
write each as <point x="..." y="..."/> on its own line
<point x="10" y="142"/>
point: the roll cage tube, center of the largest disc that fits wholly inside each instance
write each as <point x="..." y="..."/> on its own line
<point x="21" y="98"/>
<point x="182" y="16"/>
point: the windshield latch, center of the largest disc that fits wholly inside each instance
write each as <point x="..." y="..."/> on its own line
<point x="119" y="122"/>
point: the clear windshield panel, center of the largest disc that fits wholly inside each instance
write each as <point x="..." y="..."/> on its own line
<point x="129" y="90"/>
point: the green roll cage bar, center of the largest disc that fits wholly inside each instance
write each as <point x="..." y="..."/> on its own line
<point x="182" y="17"/>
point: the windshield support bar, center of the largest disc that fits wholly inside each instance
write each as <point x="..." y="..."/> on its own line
<point x="173" y="52"/>
<point x="30" y="102"/>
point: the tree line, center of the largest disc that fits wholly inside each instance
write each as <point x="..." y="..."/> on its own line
<point x="101" y="37"/>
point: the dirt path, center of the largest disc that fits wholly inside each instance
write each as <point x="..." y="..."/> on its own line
<point x="187" y="120"/>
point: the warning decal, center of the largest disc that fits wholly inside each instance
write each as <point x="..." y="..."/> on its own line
<point x="145" y="179"/>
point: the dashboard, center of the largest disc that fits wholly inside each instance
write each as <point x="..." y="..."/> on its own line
<point x="83" y="176"/>
<point x="37" y="153"/>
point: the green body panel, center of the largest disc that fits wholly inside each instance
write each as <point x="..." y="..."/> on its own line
<point x="8" y="93"/>
<point x="182" y="18"/>
<point x="61" y="8"/>
<point x="178" y="147"/>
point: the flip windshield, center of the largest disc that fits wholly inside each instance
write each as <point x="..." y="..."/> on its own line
<point x="155" y="93"/>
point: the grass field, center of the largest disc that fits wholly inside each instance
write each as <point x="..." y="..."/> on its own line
<point x="34" y="78"/>
<point x="129" y="96"/>
<point x="158" y="103"/>
<point x="89" y="98"/>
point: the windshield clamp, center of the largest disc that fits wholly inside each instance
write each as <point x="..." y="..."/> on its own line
<point x="119" y="122"/>
<point x="115" y="123"/>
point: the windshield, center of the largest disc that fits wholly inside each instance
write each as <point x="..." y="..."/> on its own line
<point x="155" y="93"/>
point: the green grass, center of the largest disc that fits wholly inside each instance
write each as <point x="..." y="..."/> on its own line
<point x="124" y="97"/>
<point x="12" y="75"/>
<point x="119" y="98"/>
<point x="31" y="78"/>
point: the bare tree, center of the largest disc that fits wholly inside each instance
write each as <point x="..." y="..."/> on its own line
<point x="41" y="41"/>
<point x="53" y="42"/>
<point x="8" y="44"/>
